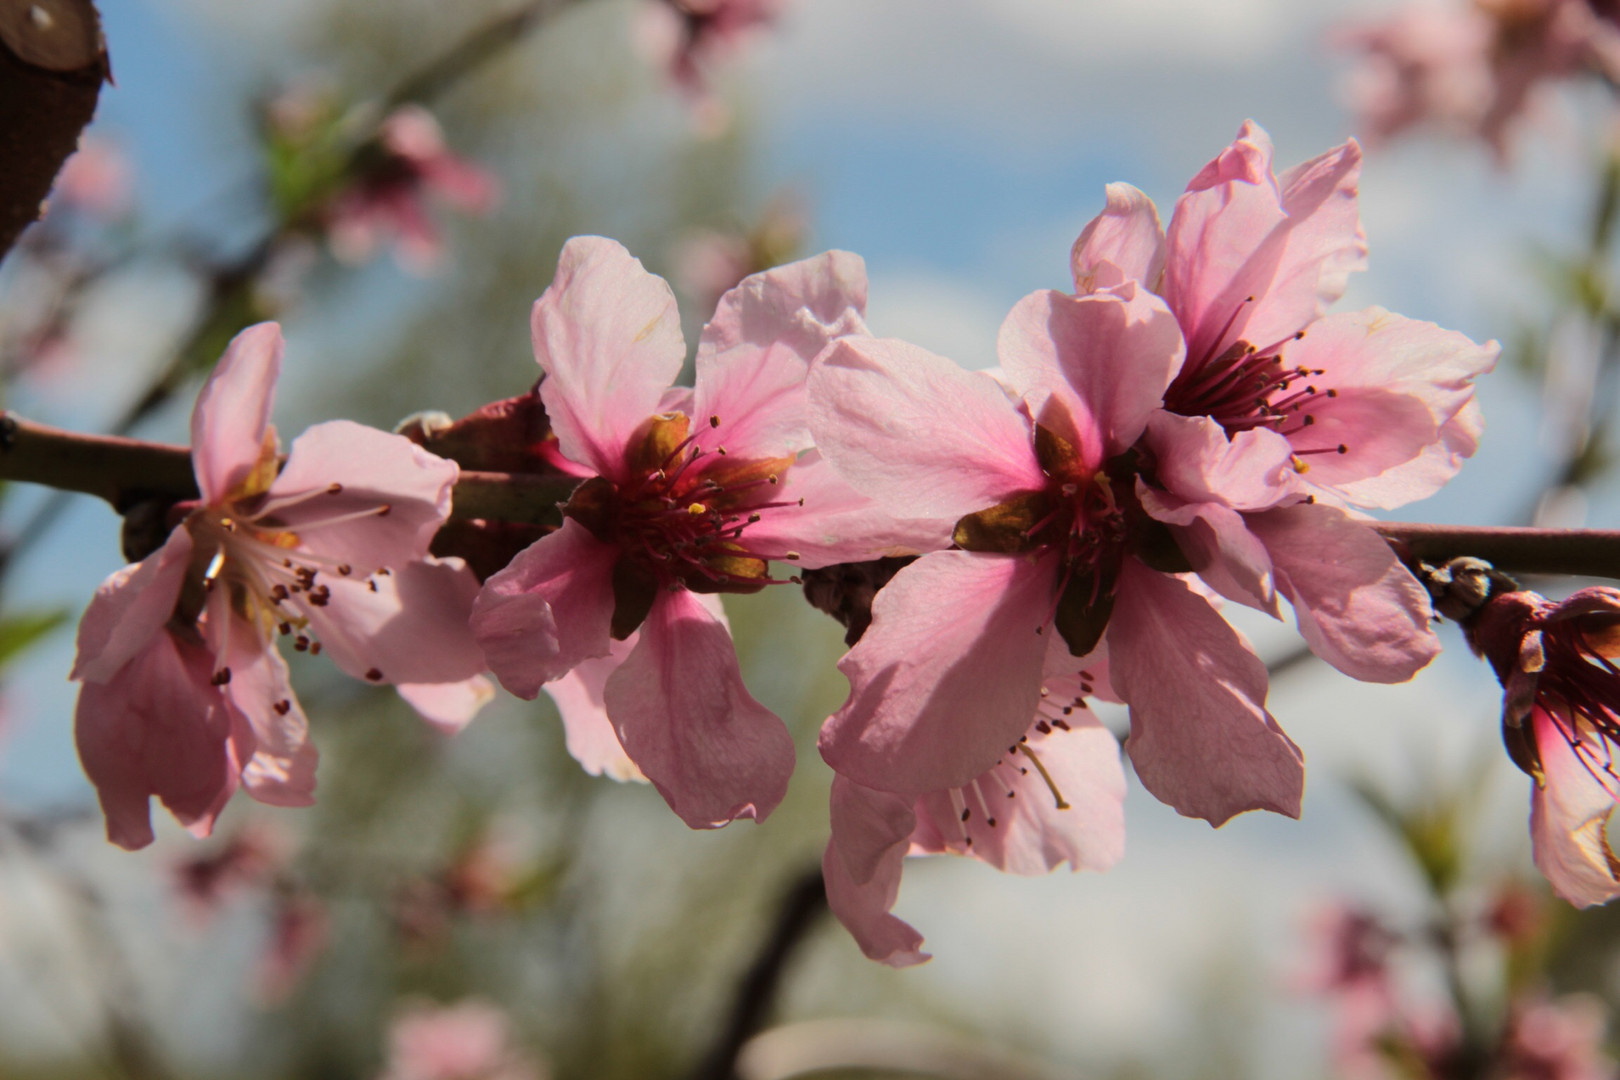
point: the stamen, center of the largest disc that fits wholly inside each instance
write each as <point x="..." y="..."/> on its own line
<point x="1046" y="776"/>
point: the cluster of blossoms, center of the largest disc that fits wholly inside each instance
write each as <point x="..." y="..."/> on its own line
<point x="1188" y="423"/>
<point x="1474" y="67"/>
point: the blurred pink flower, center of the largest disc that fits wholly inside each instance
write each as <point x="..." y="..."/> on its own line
<point x="686" y="492"/>
<point x="250" y="856"/>
<point x="710" y="262"/>
<point x="1561" y="723"/>
<point x="468" y="1041"/>
<point x="184" y="693"/>
<point x="1472" y="68"/>
<point x="1057" y="795"/>
<point x="300" y="929"/>
<point x="389" y="199"/>
<point x="95" y="181"/>
<point x="1559" y="1039"/>
<point x="1255" y="459"/>
<point x="688" y="36"/>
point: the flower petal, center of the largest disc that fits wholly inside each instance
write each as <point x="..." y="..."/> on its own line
<point x="1201" y="739"/>
<point x="1123" y="243"/>
<point x="1199" y="462"/>
<point x="754" y="356"/>
<point x="861" y="871"/>
<point x="1357" y="606"/>
<point x="448" y="706"/>
<point x="1219" y="546"/>
<point x="1107" y="358"/>
<point x="1253" y="258"/>
<point x="948" y="675"/>
<point x="129" y="608"/>
<point x="232" y="414"/>
<point x="684" y="717"/>
<point x="281" y="771"/>
<point x="918" y="433"/>
<point x="1569" y="821"/>
<point x="608" y="337"/>
<point x="549" y="609"/>
<point x="578" y="696"/>
<point x="360" y="496"/>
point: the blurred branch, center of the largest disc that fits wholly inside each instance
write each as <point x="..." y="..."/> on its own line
<point x="822" y="1046"/>
<point x="472" y="52"/>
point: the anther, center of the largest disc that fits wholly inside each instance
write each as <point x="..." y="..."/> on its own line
<point x="335" y="489"/>
<point x="301" y="643"/>
<point x="314" y="648"/>
<point x="221" y="677"/>
<point x="382" y="511"/>
<point x="283" y="707"/>
<point x="345" y="570"/>
<point x="714" y="421"/>
<point x="374" y="675"/>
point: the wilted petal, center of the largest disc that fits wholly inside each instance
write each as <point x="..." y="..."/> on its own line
<point x="861" y="871"/>
<point x="232" y="415"/>
<point x="411" y="628"/>
<point x="579" y="697"/>
<point x="1569" y="820"/>
<point x="448" y="706"/>
<point x="948" y="675"/>
<point x="1107" y="358"/>
<point x="608" y="337"/>
<point x="339" y="478"/>
<point x="1201" y="739"/>
<point x="1357" y="606"/>
<point x="918" y="433"/>
<point x="753" y="358"/>
<point x="1123" y="243"/>
<point x="549" y="609"/>
<point x="684" y="717"/>
<point x="129" y="608"/>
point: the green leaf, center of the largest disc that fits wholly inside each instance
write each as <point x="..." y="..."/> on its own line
<point x="18" y="632"/>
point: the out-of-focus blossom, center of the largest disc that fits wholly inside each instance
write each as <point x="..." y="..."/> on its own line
<point x="185" y="694"/>
<point x="1473" y="68"/>
<point x="95" y="181"/>
<point x="299" y="931"/>
<point x="711" y="262"/>
<point x="685" y="493"/>
<point x="688" y="36"/>
<point x="1559" y="1039"/>
<point x="389" y="200"/>
<point x="1057" y="795"/>
<point x="1561" y="724"/>
<point x="249" y="856"/>
<point x="471" y="1040"/>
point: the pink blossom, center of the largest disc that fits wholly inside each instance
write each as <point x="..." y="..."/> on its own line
<point x="1561" y="723"/>
<point x="686" y="492"/>
<point x="185" y="694"/>
<point x="251" y="855"/>
<point x="389" y="200"/>
<point x="1559" y="1039"/>
<point x="1257" y="461"/>
<point x="689" y="35"/>
<point x="299" y="931"/>
<point x="1053" y="543"/>
<point x="1472" y="68"/>
<point x="467" y="1041"/>
<point x="1056" y="795"/>
<point x="95" y="180"/>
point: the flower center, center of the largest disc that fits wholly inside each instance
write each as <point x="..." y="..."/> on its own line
<point x="1579" y="689"/>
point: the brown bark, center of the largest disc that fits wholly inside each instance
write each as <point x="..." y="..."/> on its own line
<point x="53" y="61"/>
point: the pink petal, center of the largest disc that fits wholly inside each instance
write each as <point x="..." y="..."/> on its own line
<point x="232" y="415"/>
<point x="339" y="475"/>
<point x="1255" y="259"/>
<point x="549" y="609"/>
<point x="837" y="523"/>
<point x="1201" y="739"/>
<point x="281" y="771"/>
<point x="684" y="717"/>
<point x="579" y="697"/>
<point x="412" y="628"/>
<point x="1123" y="243"/>
<point x="917" y="433"/>
<point x="1569" y="819"/>
<point x="948" y="675"/>
<point x="753" y="358"/>
<point x="861" y="870"/>
<point x="1404" y="407"/>
<point x="129" y="608"/>
<point x="1357" y="606"/>
<point x="1219" y="546"/>
<point x="157" y="727"/>
<point x="1031" y="834"/>
<point x="1199" y="462"/>
<point x="468" y="187"/>
<point x="608" y="337"/>
<point x="1107" y="358"/>
<point x="448" y="706"/>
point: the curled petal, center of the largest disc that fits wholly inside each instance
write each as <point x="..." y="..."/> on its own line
<point x="129" y="608"/>
<point x="1123" y="243"/>
<point x="948" y="675"/>
<point x="232" y="415"/>
<point x="1197" y="461"/>
<point x="608" y="337"/>
<point x="579" y="697"/>
<point x="684" y="717"/>
<point x="1106" y="358"/>
<point x="861" y="870"/>
<point x="549" y="609"/>
<point x="1569" y="820"/>
<point x="1357" y="606"/>
<point x="1201" y="739"/>
<point x="918" y="433"/>
<point x="754" y="356"/>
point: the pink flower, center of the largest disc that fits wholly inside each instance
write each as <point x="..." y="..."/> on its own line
<point x="1053" y="543"/>
<point x="686" y="492"/>
<point x="389" y="199"/>
<point x="1559" y="1039"/>
<point x="299" y="931"/>
<point x="184" y="694"/>
<point x="95" y="180"/>
<point x="468" y="1041"/>
<point x="1472" y="68"/>
<point x="688" y="35"/>
<point x="1561" y="723"/>
<point x="1056" y="795"/>
<point x="1282" y="418"/>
